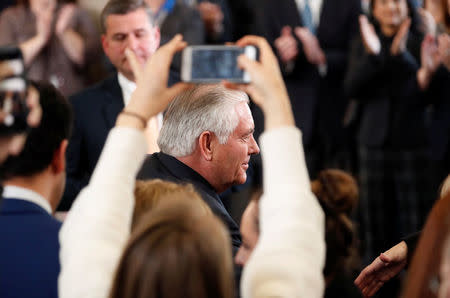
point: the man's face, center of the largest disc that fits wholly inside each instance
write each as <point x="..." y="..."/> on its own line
<point x="133" y="31"/>
<point x="232" y="158"/>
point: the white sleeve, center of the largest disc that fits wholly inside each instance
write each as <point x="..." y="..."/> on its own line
<point x="289" y="257"/>
<point x="97" y="227"/>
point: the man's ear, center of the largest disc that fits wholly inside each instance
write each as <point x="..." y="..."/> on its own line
<point x="205" y="145"/>
<point x="59" y="158"/>
<point x="105" y="43"/>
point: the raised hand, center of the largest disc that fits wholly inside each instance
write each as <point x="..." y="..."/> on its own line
<point x="428" y="21"/>
<point x="65" y="15"/>
<point x="369" y="36"/>
<point x="401" y="37"/>
<point x="212" y="17"/>
<point x="267" y="88"/>
<point x="430" y="61"/>
<point x="311" y="46"/>
<point x="382" y="269"/>
<point x="152" y="94"/>
<point x="286" y="45"/>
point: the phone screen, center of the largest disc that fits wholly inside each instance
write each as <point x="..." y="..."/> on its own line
<point x="216" y="64"/>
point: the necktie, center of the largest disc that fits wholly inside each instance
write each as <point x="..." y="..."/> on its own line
<point x="308" y="18"/>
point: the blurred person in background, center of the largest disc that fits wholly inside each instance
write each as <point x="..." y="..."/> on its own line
<point x="57" y="41"/>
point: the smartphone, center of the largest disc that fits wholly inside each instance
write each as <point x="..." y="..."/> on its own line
<point x="13" y="91"/>
<point x="209" y="64"/>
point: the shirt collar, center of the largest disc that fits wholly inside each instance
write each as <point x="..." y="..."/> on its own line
<point x="16" y="192"/>
<point x="127" y="87"/>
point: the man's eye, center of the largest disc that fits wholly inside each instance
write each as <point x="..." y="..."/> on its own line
<point x="141" y="33"/>
<point x="119" y="37"/>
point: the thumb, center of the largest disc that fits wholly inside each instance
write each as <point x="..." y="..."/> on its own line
<point x="248" y="64"/>
<point x="384" y="258"/>
<point x="286" y="31"/>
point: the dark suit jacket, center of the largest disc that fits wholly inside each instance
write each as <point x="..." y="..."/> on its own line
<point x="95" y="111"/>
<point x="166" y="167"/>
<point x="392" y="108"/>
<point x="337" y="26"/>
<point x="29" y="250"/>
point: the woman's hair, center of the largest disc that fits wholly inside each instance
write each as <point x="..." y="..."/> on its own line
<point x="416" y="21"/>
<point x="148" y="194"/>
<point x="424" y="270"/>
<point x="337" y="193"/>
<point x="176" y="251"/>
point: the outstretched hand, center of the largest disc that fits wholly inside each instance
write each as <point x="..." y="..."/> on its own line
<point x="267" y="88"/>
<point x="152" y="94"/>
<point x="382" y="269"/>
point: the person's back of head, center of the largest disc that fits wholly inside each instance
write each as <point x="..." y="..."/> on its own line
<point x="177" y="250"/>
<point x="42" y="141"/>
<point x="203" y="108"/>
<point x="337" y="193"/>
<point x="148" y="194"/>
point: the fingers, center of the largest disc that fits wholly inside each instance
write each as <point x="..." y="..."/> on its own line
<point x="136" y="67"/>
<point x="265" y="51"/>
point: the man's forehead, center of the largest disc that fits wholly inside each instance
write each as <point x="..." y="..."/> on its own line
<point x="134" y="20"/>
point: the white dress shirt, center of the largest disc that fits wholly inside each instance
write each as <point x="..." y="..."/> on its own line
<point x="316" y="8"/>
<point x="15" y="192"/>
<point x="128" y="88"/>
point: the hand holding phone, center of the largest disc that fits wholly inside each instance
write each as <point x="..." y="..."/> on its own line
<point x="210" y="64"/>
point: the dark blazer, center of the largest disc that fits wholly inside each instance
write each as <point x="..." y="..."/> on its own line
<point x="29" y="251"/>
<point x="95" y="111"/>
<point x="337" y="26"/>
<point x="392" y="107"/>
<point x="166" y="167"/>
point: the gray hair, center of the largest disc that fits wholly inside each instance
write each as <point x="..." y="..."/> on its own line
<point x="203" y="108"/>
<point x="123" y="7"/>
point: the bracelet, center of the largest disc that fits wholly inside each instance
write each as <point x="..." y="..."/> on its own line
<point x="137" y="116"/>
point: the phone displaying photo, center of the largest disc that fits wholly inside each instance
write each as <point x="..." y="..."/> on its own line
<point x="13" y="91"/>
<point x="208" y="64"/>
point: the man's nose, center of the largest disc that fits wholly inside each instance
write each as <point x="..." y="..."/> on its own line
<point x="132" y="42"/>
<point x="253" y="148"/>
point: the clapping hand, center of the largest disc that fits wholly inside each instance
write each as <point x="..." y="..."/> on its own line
<point x="286" y="45"/>
<point x="65" y="15"/>
<point x="444" y="49"/>
<point x="313" y="52"/>
<point x="401" y="37"/>
<point x="369" y="36"/>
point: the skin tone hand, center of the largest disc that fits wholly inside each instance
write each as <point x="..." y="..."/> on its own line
<point x="152" y="94"/>
<point x="399" y="43"/>
<point x="71" y="40"/>
<point x="313" y="52"/>
<point x="430" y="61"/>
<point x="428" y="22"/>
<point x="212" y="17"/>
<point x="267" y="88"/>
<point x="382" y="269"/>
<point x="369" y="36"/>
<point x="286" y="45"/>
<point x="444" y="49"/>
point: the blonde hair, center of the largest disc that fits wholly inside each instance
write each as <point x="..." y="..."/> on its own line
<point x="149" y="193"/>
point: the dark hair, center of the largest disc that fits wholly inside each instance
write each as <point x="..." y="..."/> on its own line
<point x="416" y="21"/>
<point x="123" y="7"/>
<point x="44" y="140"/>
<point x="177" y="250"/>
<point x="337" y="193"/>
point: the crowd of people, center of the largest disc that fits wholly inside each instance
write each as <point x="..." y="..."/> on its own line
<point x="120" y="185"/>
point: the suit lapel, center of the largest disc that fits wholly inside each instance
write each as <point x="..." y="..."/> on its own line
<point x="113" y="101"/>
